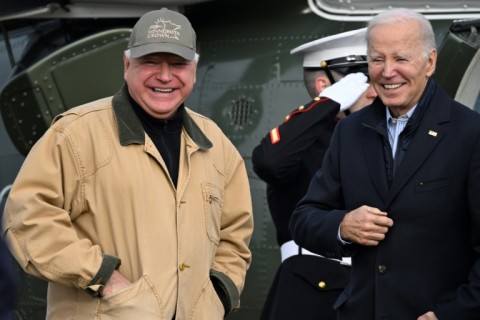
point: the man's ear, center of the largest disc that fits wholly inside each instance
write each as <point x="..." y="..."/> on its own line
<point x="431" y="63"/>
<point x="321" y="82"/>
<point x="126" y="64"/>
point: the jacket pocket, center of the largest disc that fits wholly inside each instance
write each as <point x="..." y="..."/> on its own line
<point x="433" y="185"/>
<point x="213" y="203"/>
<point x="137" y="301"/>
<point x="316" y="270"/>
<point x="207" y="305"/>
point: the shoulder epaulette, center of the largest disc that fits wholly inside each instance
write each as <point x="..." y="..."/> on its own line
<point x="304" y="108"/>
<point x="275" y="133"/>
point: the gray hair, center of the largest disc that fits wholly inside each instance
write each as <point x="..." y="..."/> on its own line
<point x="195" y="58"/>
<point x="403" y="15"/>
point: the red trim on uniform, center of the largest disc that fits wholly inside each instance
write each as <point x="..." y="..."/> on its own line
<point x="322" y="99"/>
<point x="275" y="135"/>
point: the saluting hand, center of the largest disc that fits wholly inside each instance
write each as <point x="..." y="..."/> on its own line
<point x="365" y="225"/>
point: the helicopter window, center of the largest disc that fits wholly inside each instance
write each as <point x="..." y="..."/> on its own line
<point x="469" y="92"/>
<point x="363" y="10"/>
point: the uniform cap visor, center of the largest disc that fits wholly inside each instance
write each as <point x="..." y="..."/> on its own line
<point x="179" y="50"/>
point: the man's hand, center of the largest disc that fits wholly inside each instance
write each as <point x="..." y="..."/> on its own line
<point x="428" y="316"/>
<point x="365" y="225"/>
<point x="347" y="90"/>
<point x="116" y="282"/>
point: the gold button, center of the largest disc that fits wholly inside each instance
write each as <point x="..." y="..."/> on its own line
<point x="183" y="266"/>
<point x="287" y="117"/>
<point x="322" y="284"/>
<point x="301" y="107"/>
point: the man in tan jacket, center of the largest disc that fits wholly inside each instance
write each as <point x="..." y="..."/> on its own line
<point x="134" y="206"/>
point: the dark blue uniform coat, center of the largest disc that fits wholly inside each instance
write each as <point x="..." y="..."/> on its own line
<point x="287" y="165"/>
<point x="429" y="258"/>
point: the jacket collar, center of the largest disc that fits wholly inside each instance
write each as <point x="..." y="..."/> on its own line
<point x="130" y="128"/>
<point x="431" y="128"/>
<point x="375" y="119"/>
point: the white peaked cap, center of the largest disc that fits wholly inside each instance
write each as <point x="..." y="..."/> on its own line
<point x="345" y="44"/>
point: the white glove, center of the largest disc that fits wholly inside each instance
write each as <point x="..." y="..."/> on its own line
<point x="347" y="91"/>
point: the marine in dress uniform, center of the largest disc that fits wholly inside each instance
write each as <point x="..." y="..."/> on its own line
<point x="306" y="285"/>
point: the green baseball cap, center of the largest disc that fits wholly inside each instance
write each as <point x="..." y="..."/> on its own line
<point x="163" y="31"/>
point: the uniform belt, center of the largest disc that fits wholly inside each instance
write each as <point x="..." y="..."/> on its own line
<point x="290" y="248"/>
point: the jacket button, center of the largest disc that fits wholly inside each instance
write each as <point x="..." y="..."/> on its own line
<point x="322" y="284"/>
<point x="382" y="269"/>
<point x="183" y="266"/>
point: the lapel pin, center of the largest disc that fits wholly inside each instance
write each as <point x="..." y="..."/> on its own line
<point x="432" y="133"/>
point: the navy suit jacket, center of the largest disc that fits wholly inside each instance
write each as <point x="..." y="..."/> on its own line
<point x="429" y="258"/>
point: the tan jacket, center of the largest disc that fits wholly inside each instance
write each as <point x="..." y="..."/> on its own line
<point x="95" y="188"/>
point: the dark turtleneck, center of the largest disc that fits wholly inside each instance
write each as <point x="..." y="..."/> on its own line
<point x="165" y="134"/>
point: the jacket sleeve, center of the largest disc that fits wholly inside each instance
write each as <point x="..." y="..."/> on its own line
<point x="233" y="256"/>
<point x="466" y="303"/>
<point x="281" y="152"/>
<point x="43" y="203"/>
<point x="315" y="221"/>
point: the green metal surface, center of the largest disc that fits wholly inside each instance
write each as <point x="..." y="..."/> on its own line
<point x="78" y="73"/>
<point x="247" y="82"/>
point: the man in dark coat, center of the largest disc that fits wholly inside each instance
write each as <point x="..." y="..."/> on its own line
<point x="306" y="285"/>
<point x="7" y="283"/>
<point x="399" y="188"/>
<point x="8" y="287"/>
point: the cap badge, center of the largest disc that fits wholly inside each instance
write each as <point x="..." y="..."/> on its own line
<point x="164" y="29"/>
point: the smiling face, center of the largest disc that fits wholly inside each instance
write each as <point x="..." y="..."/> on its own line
<point x="398" y="65"/>
<point x="160" y="82"/>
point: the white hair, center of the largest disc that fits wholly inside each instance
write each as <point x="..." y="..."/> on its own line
<point x="402" y="15"/>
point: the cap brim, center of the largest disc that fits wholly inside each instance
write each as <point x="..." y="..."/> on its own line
<point x="179" y="50"/>
<point x="340" y="40"/>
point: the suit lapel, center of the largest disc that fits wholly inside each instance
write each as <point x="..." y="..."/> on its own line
<point x="431" y="130"/>
<point x="373" y="147"/>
